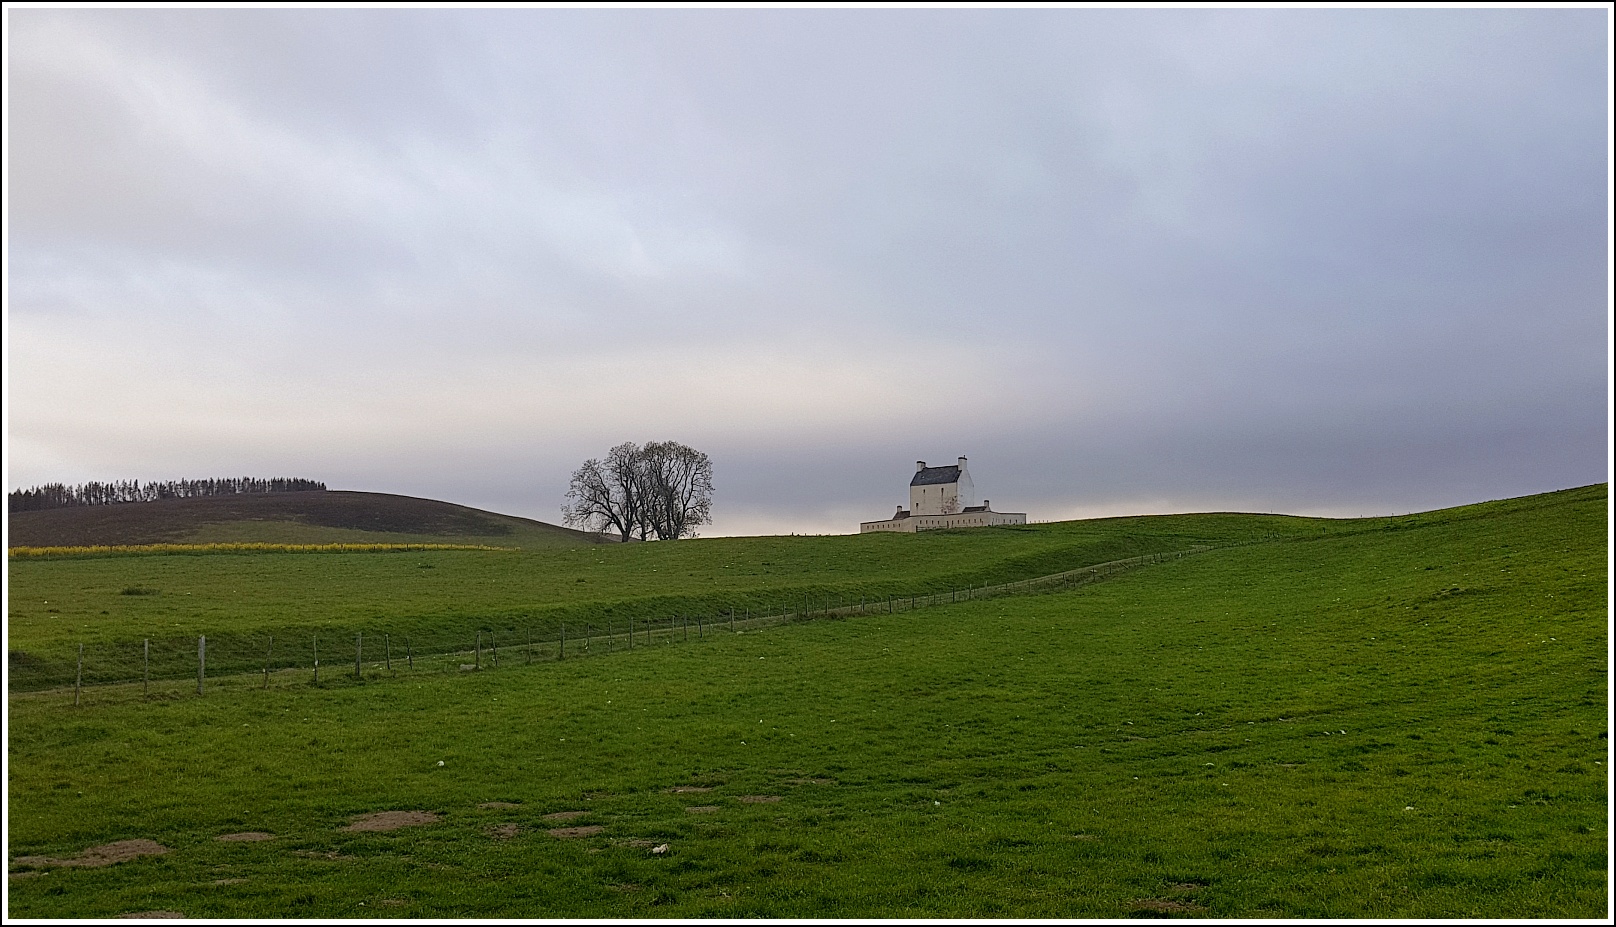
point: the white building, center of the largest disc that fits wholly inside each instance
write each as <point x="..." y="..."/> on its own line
<point x="943" y="497"/>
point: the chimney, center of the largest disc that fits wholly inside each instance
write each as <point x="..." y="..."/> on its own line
<point x="962" y="463"/>
<point x="987" y="506"/>
<point x="920" y="465"/>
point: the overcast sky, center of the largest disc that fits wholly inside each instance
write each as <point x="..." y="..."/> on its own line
<point x="1312" y="261"/>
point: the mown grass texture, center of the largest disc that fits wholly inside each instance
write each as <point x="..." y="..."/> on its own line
<point x="1408" y="721"/>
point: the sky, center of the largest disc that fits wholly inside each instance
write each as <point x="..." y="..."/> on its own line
<point x="1315" y="261"/>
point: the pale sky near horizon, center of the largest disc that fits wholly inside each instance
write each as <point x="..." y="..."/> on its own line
<point x="1316" y="261"/>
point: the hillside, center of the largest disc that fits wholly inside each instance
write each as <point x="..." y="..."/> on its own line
<point x="1376" y="718"/>
<point x="284" y="518"/>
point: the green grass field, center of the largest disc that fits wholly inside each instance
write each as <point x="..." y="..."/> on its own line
<point x="440" y="600"/>
<point x="1384" y="718"/>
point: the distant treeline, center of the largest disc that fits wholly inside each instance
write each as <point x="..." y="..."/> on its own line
<point x="59" y="496"/>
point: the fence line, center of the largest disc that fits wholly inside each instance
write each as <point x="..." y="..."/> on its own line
<point x="249" y="654"/>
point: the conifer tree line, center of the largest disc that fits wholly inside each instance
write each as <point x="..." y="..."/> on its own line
<point x="59" y="496"/>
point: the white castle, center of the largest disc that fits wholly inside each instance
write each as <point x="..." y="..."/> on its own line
<point x="943" y="497"/>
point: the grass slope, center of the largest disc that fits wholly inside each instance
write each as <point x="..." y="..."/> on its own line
<point x="440" y="600"/>
<point x="1403" y="718"/>
<point x="333" y="517"/>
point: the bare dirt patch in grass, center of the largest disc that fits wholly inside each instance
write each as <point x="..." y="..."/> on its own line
<point x="810" y="781"/>
<point x="146" y="914"/>
<point x="701" y="809"/>
<point x="499" y="804"/>
<point x="566" y="815"/>
<point x="1164" y="906"/>
<point x="228" y="881"/>
<point x="104" y="855"/>
<point x="686" y="789"/>
<point x="331" y="855"/>
<point x="503" y="831"/>
<point x="759" y="799"/>
<point x="391" y="820"/>
<point x="573" y="833"/>
<point x="248" y="836"/>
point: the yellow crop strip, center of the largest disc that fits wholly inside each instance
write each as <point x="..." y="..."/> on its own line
<point x="235" y="548"/>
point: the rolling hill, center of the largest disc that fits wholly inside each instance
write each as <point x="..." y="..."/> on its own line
<point x="284" y="518"/>
<point x="1388" y="718"/>
<point x="1380" y="717"/>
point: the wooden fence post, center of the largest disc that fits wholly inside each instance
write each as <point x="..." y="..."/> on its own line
<point x="479" y="650"/>
<point x="387" y="645"/>
<point x="409" y="653"/>
<point x="494" y="641"/>
<point x="530" y="645"/>
<point x="268" y="653"/>
<point x="145" y="670"/>
<point x="358" y="650"/>
<point x="316" y="659"/>
<point x="201" y="661"/>
<point x="79" y="679"/>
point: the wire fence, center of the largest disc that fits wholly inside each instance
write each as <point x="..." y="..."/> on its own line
<point x="325" y="656"/>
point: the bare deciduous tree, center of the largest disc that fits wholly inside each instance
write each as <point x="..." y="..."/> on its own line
<point x="663" y="489"/>
<point x="604" y="495"/>
<point x="680" y="484"/>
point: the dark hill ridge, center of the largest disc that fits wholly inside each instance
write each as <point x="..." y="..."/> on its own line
<point x="283" y="518"/>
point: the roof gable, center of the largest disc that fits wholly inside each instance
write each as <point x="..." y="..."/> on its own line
<point x="935" y="476"/>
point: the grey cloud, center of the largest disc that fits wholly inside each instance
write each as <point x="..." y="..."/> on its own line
<point x="1127" y="249"/>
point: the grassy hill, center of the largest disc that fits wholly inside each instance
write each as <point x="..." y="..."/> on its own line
<point x="439" y="599"/>
<point x="1390" y="718"/>
<point x="283" y="518"/>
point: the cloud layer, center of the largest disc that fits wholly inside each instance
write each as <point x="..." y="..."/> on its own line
<point x="1342" y="261"/>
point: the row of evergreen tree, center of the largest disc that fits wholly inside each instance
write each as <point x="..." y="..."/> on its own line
<point x="58" y="496"/>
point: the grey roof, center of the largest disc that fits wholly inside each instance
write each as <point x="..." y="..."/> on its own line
<point x="932" y="476"/>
